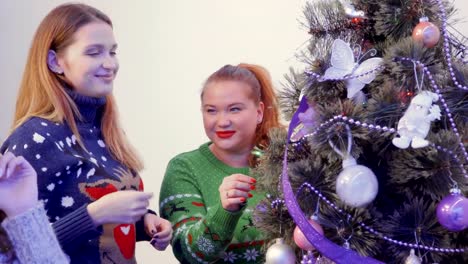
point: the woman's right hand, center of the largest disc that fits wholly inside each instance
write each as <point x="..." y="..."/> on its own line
<point x="235" y="190"/>
<point x="122" y="207"/>
<point x="18" y="185"/>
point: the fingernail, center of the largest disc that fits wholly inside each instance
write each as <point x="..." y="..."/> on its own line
<point x="250" y="195"/>
<point x="242" y="199"/>
<point x="156" y="236"/>
<point x="253" y="180"/>
<point x="152" y="242"/>
<point x="252" y="187"/>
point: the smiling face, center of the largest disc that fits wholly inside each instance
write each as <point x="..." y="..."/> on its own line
<point x="230" y="116"/>
<point x="89" y="65"/>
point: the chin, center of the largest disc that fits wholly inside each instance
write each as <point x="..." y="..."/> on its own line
<point x="104" y="92"/>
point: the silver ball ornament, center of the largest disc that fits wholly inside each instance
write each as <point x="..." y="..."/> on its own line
<point x="356" y="185"/>
<point x="280" y="253"/>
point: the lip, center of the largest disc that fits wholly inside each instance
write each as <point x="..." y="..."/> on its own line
<point x="106" y="78"/>
<point x="225" y="134"/>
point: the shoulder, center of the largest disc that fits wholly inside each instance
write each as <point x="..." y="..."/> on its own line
<point x="35" y="133"/>
<point x="189" y="158"/>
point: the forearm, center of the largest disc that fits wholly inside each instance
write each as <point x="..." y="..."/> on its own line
<point x="76" y="228"/>
<point x="33" y="238"/>
<point x="204" y="239"/>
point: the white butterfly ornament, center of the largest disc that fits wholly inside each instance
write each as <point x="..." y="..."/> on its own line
<point x="344" y="65"/>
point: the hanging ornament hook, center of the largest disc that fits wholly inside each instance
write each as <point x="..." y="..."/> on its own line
<point x="345" y="225"/>
<point x="419" y="84"/>
<point x="347" y="155"/>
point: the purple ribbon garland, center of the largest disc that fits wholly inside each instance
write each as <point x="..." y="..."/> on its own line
<point x="329" y="249"/>
<point x="295" y="118"/>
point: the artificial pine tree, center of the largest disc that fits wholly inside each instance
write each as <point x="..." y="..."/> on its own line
<point x="375" y="158"/>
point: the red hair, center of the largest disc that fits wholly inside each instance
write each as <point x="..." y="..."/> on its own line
<point x="42" y="92"/>
<point x="257" y="78"/>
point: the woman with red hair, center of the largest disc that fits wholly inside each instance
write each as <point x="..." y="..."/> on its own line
<point x="207" y="193"/>
<point x="66" y="125"/>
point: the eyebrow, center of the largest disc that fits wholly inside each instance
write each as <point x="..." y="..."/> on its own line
<point x="100" y="46"/>
<point x="230" y="105"/>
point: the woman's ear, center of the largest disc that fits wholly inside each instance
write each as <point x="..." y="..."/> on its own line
<point x="260" y="110"/>
<point x="52" y="62"/>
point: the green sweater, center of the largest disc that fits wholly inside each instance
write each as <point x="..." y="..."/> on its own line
<point x="203" y="231"/>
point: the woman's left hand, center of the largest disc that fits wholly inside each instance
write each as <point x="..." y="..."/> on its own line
<point x="159" y="229"/>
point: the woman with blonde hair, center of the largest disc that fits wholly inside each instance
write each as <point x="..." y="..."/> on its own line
<point x="207" y="193"/>
<point x="66" y="125"/>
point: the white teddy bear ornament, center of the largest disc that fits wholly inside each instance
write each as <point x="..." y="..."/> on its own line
<point x="414" y="126"/>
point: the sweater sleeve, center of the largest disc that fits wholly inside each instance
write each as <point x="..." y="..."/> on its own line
<point x="141" y="234"/>
<point x="33" y="239"/>
<point x="38" y="142"/>
<point x="200" y="234"/>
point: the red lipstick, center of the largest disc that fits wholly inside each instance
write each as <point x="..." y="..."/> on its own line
<point x="225" y="134"/>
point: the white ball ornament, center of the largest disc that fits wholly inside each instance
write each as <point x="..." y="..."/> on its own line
<point x="356" y="185"/>
<point x="280" y="253"/>
<point x="412" y="258"/>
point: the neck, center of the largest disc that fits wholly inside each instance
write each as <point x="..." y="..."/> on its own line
<point x="236" y="160"/>
<point x="90" y="107"/>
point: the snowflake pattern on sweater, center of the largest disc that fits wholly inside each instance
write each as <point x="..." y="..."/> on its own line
<point x="69" y="178"/>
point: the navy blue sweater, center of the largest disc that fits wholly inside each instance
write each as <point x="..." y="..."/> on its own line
<point x="69" y="178"/>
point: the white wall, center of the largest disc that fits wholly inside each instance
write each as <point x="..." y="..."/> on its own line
<point x="166" y="50"/>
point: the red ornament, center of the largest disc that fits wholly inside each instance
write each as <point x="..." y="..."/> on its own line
<point x="426" y="33"/>
<point x="301" y="241"/>
<point x="356" y="20"/>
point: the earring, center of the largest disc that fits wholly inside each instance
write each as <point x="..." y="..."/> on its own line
<point x="57" y="71"/>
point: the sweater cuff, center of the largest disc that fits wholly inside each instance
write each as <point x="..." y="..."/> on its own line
<point x="141" y="234"/>
<point x="224" y="219"/>
<point x="77" y="225"/>
<point x="30" y="233"/>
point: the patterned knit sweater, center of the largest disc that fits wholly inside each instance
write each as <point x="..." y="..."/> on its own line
<point x="33" y="239"/>
<point x="69" y="178"/>
<point x="204" y="232"/>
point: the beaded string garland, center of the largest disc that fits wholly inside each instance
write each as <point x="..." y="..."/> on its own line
<point x="322" y="244"/>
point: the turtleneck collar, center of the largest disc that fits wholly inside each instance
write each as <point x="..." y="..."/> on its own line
<point x="90" y="108"/>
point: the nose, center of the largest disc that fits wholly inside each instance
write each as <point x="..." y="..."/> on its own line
<point x="223" y="120"/>
<point x="110" y="63"/>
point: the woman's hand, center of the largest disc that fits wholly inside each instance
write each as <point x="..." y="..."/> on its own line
<point x="18" y="185"/>
<point x="159" y="229"/>
<point x="122" y="207"/>
<point x="235" y="190"/>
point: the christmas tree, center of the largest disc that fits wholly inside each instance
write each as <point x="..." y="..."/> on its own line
<point x="373" y="167"/>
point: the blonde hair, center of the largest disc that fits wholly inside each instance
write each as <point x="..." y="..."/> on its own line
<point x="42" y="92"/>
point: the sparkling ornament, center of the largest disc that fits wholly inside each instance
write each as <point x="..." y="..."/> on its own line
<point x="452" y="211"/>
<point x="356" y="185"/>
<point x="301" y="241"/>
<point x="280" y="253"/>
<point x="426" y="33"/>
<point x="415" y="124"/>
<point x="412" y="258"/>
